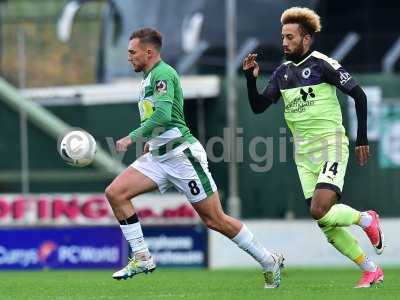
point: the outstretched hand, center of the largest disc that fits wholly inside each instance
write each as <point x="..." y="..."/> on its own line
<point x="249" y="62"/>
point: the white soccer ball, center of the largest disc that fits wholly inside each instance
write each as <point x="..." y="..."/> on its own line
<point x="77" y="148"/>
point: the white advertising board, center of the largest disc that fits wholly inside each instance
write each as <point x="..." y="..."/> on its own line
<point x="302" y="243"/>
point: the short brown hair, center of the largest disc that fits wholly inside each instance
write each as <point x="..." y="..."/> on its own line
<point x="308" y="19"/>
<point x="148" y="35"/>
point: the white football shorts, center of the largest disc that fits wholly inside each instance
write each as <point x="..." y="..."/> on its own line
<point x="185" y="168"/>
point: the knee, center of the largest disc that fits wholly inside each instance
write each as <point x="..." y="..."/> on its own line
<point x="317" y="212"/>
<point x="321" y="203"/>
<point x="211" y="224"/>
<point x="112" y="194"/>
<point x="214" y="223"/>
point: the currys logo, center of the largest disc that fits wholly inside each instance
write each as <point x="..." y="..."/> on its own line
<point x="45" y="250"/>
<point x="18" y="257"/>
<point x="29" y="257"/>
<point x="60" y="248"/>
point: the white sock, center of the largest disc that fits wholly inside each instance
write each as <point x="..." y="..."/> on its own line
<point x="246" y="241"/>
<point x="368" y="265"/>
<point x="134" y="235"/>
<point x="365" y="219"/>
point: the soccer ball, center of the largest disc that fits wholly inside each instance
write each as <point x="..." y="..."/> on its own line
<point x="77" y="148"/>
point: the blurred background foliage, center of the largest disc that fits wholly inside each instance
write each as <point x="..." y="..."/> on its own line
<point x="49" y="61"/>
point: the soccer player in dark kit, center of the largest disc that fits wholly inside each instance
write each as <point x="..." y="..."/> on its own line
<point x="307" y="83"/>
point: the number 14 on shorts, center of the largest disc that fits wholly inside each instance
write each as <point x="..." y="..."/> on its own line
<point x="333" y="173"/>
<point x="330" y="169"/>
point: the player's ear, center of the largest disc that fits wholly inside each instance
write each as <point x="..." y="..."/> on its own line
<point x="150" y="52"/>
<point x="307" y="40"/>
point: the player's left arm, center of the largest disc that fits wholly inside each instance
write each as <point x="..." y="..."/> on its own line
<point x="163" y="96"/>
<point x="338" y="76"/>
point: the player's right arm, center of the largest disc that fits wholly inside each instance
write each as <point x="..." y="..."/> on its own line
<point x="163" y="95"/>
<point x="336" y="75"/>
<point x="258" y="102"/>
<point x="160" y="117"/>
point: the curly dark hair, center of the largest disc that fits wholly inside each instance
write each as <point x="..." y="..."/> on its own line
<point x="308" y="19"/>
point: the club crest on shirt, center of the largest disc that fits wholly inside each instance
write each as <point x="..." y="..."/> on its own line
<point x="161" y="86"/>
<point x="306" y="73"/>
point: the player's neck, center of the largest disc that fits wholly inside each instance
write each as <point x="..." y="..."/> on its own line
<point x="151" y="65"/>
<point x="301" y="57"/>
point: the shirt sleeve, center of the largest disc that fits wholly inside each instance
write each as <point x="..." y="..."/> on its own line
<point x="258" y="103"/>
<point x="271" y="90"/>
<point x="160" y="117"/>
<point x="163" y="98"/>
<point x="336" y="75"/>
<point x="360" y="100"/>
<point x="163" y="88"/>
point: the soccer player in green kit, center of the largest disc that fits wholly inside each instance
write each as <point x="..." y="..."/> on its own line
<point x="307" y="82"/>
<point x="173" y="158"/>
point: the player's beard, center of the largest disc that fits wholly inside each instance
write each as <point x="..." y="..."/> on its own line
<point x="296" y="54"/>
<point x="137" y="69"/>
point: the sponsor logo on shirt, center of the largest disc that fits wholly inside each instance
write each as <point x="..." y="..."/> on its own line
<point x="344" y="77"/>
<point x="161" y="86"/>
<point x="146" y="108"/>
<point x="304" y="94"/>
<point x="301" y="102"/>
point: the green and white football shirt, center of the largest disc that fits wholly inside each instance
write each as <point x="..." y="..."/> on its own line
<point x="161" y="87"/>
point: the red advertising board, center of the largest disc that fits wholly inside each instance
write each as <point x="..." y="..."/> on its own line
<point x="90" y="209"/>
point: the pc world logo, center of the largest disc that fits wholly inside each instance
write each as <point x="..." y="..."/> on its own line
<point x="45" y="250"/>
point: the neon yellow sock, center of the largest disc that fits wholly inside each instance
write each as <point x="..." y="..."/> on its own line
<point x="340" y="215"/>
<point x="344" y="242"/>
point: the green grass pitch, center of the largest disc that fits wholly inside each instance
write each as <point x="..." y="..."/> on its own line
<point x="174" y="284"/>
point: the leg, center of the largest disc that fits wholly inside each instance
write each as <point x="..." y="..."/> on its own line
<point x="346" y="244"/>
<point x="210" y="211"/>
<point x="324" y="209"/>
<point x="129" y="184"/>
<point x="328" y="188"/>
<point x="324" y="182"/>
<point x="189" y="174"/>
<point x="331" y="219"/>
<point x="321" y="202"/>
